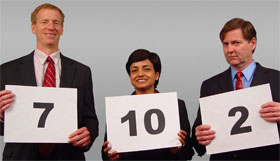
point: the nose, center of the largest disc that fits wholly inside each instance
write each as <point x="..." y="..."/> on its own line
<point x="50" y="25"/>
<point x="140" y="72"/>
<point x="230" y="48"/>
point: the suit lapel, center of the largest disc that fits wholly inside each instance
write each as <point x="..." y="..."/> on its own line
<point x="225" y="81"/>
<point x="260" y="76"/>
<point x="68" y="71"/>
<point x="26" y="70"/>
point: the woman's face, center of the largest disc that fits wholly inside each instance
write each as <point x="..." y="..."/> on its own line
<point x="143" y="76"/>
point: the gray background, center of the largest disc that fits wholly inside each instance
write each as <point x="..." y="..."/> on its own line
<point x="102" y="34"/>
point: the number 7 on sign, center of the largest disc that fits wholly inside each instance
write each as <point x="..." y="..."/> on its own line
<point x="48" y="107"/>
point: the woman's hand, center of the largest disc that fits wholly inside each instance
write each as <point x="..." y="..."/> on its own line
<point x="112" y="156"/>
<point x="182" y="136"/>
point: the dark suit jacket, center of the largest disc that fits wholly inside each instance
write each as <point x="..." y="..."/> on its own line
<point x="185" y="153"/>
<point x="222" y="83"/>
<point x="73" y="75"/>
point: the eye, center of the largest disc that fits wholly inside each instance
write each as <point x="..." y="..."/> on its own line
<point x="44" y="22"/>
<point x="56" y="23"/>
<point x="147" y="69"/>
<point x="236" y="42"/>
<point x="133" y="70"/>
<point x="225" y="44"/>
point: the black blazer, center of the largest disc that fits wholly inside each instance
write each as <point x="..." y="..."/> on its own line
<point x="185" y="153"/>
<point x="73" y="75"/>
<point x="222" y="83"/>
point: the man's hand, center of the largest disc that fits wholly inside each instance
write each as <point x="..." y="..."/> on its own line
<point x="80" y="137"/>
<point x="270" y="111"/>
<point x="204" y="135"/>
<point x="111" y="156"/>
<point x="182" y="136"/>
<point x="6" y="99"/>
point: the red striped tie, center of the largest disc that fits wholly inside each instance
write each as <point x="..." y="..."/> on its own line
<point x="239" y="84"/>
<point x="49" y="81"/>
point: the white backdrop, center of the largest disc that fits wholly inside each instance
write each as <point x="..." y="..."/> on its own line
<point x="102" y="34"/>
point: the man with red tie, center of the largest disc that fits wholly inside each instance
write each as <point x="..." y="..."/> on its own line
<point x="46" y="66"/>
<point x="239" y="41"/>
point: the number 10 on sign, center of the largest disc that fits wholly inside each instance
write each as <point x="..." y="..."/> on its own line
<point x="147" y="122"/>
<point x="142" y="122"/>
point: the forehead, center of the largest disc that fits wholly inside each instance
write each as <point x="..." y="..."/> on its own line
<point x="142" y="63"/>
<point x="235" y="34"/>
<point x="51" y="14"/>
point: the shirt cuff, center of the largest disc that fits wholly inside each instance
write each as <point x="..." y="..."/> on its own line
<point x="1" y="120"/>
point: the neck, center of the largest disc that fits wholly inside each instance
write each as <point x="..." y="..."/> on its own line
<point x="48" y="50"/>
<point x="139" y="91"/>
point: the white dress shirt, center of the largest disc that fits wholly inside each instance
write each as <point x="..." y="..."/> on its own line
<point x="40" y="66"/>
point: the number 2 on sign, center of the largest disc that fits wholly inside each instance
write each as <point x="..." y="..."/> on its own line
<point x="237" y="129"/>
<point x="131" y="118"/>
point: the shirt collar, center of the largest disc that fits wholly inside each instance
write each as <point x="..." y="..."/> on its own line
<point x="247" y="72"/>
<point x="42" y="57"/>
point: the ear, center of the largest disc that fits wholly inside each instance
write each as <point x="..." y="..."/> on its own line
<point x="157" y="75"/>
<point x="253" y="43"/>
<point x="33" y="26"/>
<point x="62" y="30"/>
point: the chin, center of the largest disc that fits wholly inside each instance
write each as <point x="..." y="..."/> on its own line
<point x="51" y="43"/>
<point x="140" y="88"/>
<point x="233" y="62"/>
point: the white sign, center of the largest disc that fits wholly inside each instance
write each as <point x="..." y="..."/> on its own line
<point x="41" y="115"/>
<point x="142" y="122"/>
<point x="235" y="118"/>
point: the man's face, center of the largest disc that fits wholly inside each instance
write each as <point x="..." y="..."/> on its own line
<point x="238" y="51"/>
<point x="48" y="28"/>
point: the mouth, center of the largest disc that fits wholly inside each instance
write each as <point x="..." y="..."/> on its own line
<point x="141" y="80"/>
<point x="232" y="55"/>
<point x="50" y="35"/>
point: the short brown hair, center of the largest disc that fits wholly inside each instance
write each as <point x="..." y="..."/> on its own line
<point x="45" y="6"/>
<point x="246" y="27"/>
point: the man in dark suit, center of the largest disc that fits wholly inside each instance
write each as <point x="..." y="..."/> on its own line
<point x="239" y="42"/>
<point x="47" y="24"/>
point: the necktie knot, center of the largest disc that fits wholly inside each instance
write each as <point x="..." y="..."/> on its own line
<point x="49" y="60"/>
<point x="239" y="74"/>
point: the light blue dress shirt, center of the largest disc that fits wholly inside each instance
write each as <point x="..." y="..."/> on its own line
<point x="247" y="77"/>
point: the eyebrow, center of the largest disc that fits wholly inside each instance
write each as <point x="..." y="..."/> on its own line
<point x="50" y="20"/>
<point x="142" y="66"/>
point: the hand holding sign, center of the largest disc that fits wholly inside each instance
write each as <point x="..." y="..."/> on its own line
<point x="270" y="111"/>
<point x="204" y="134"/>
<point x="6" y="99"/>
<point x="80" y="137"/>
<point x="113" y="155"/>
<point x="182" y="136"/>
